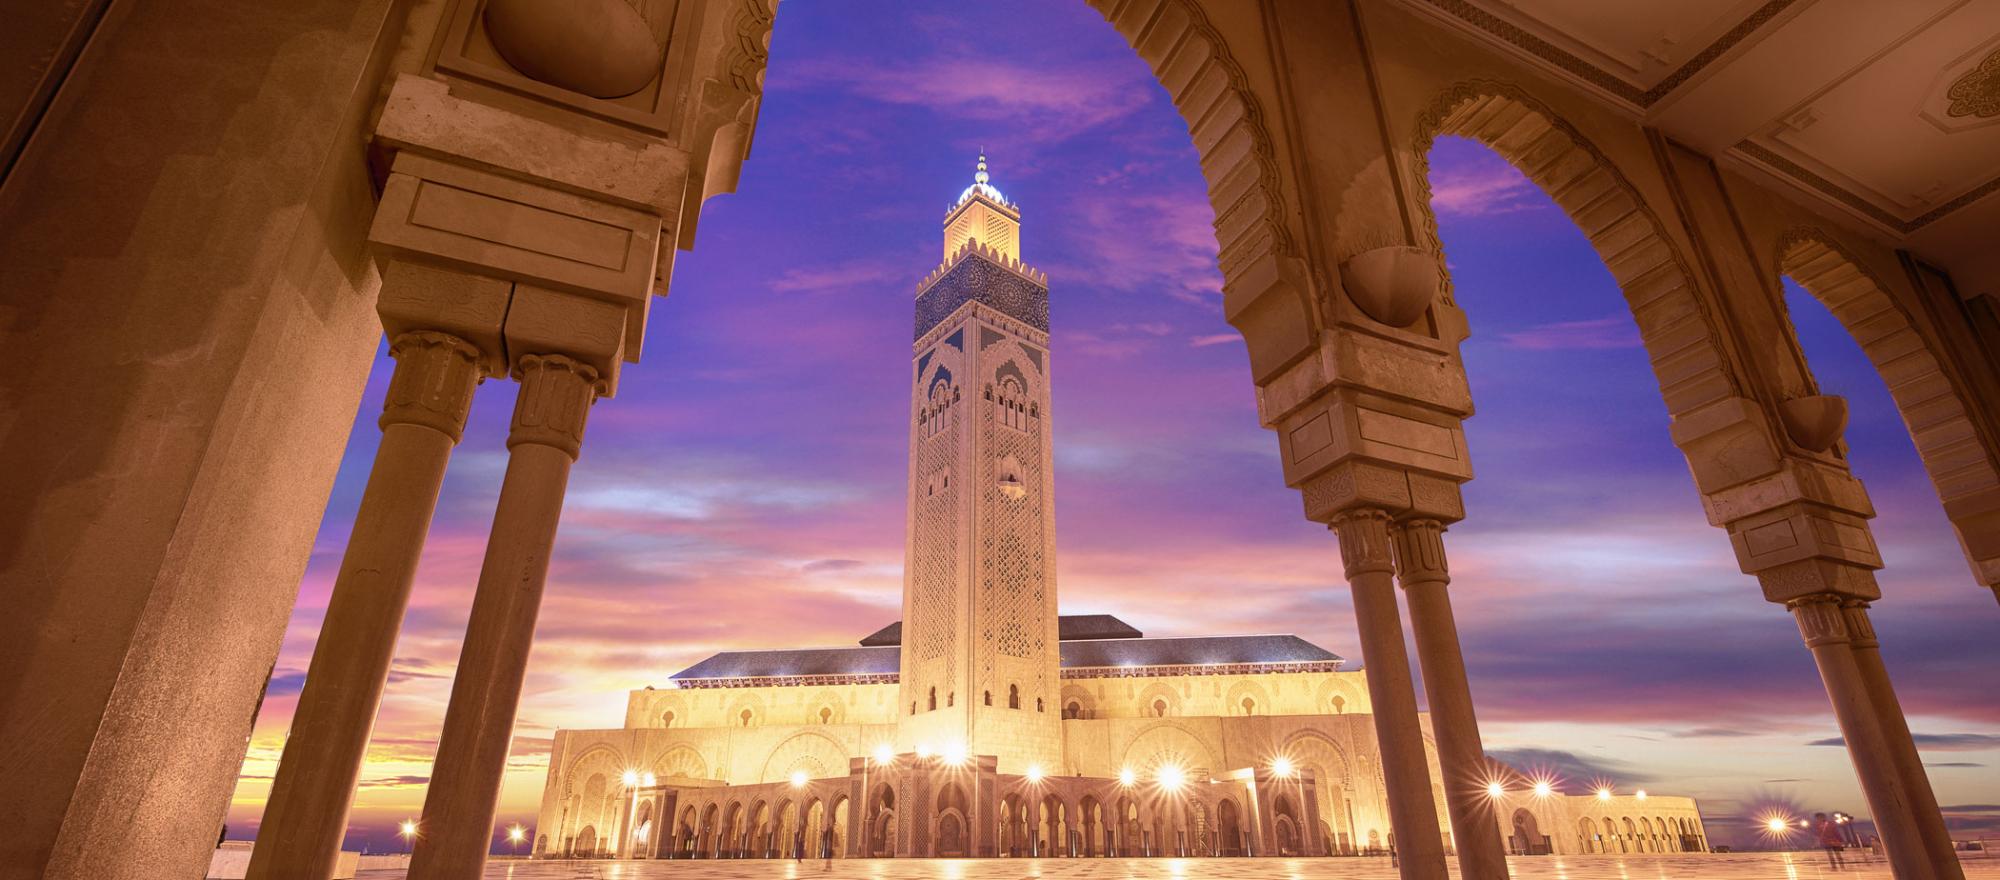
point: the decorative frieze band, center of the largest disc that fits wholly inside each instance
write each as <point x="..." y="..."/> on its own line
<point x="788" y="681"/>
<point x="1097" y="672"/>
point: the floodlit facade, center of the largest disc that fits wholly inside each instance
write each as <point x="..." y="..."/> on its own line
<point x="985" y="724"/>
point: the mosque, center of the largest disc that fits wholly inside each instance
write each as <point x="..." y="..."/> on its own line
<point x="985" y="723"/>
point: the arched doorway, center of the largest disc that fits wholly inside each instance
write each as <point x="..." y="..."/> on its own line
<point x="1527" y="836"/>
<point x="1228" y="828"/>
<point x="952" y="832"/>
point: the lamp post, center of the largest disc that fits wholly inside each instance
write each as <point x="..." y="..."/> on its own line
<point x="408" y="831"/>
<point x="515" y="834"/>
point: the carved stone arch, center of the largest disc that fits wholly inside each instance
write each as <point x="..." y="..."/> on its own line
<point x="1313" y="747"/>
<point x="826" y="706"/>
<point x="1266" y="294"/>
<point x="681" y="761"/>
<point x="746" y="703"/>
<point x="1159" y="692"/>
<point x="1332" y="687"/>
<point x="1081" y="697"/>
<point x="1168" y="741"/>
<point x="1681" y="339"/>
<point x="598" y="754"/>
<point x="1957" y="454"/>
<point x="1260" y="699"/>
<point x="818" y="754"/>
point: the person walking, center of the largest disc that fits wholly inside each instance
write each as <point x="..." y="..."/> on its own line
<point x="1830" y="839"/>
<point x="799" y="847"/>
<point x="826" y="848"/>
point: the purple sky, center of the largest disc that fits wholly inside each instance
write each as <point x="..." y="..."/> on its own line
<point x="745" y="489"/>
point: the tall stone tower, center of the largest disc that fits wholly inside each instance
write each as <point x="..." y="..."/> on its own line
<point x="980" y="651"/>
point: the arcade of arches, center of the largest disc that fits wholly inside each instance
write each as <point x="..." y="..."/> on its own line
<point x="195" y="298"/>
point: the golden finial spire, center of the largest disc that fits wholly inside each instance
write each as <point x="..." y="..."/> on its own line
<point x="980" y="176"/>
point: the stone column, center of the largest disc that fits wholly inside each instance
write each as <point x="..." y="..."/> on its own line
<point x="422" y="419"/>
<point x="547" y="434"/>
<point x="1902" y="747"/>
<point x="1824" y="626"/>
<point x="1369" y="565"/>
<point x="1422" y="570"/>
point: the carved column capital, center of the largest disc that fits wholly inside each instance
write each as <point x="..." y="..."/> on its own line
<point x="1364" y="540"/>
<point x="556" y="393"/>
<point x="1420" y="555"/>
<point x="1821" y="620"/>
<point x="432" y="383"/>
<point x="1859" y="628"/>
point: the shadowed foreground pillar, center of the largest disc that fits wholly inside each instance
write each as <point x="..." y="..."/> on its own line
<point x="422" y="419"/>
<point x="1909" y="766"/>
<point x="1824" y="628"/>
<point x="1366" y="557"/>
<point x="1422" y="570"/>
<point x="547" y="434"/>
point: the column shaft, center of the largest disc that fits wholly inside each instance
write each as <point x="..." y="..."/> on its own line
<point x="457" y="824"/>
<point x="1365" y="552"/>
<point x="1902" y="747"/>
<point x="1822" y="624"/>
<point x="422" y="419"/>
<point x="1422" y="570"/>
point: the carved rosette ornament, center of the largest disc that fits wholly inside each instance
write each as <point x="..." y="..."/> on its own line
<point x="1977" y="93"/>
<point x="1861" y="630"/>
<point x="433" y="381"/>
<point x="556" y="393"/>
<point x="1420" y="553"/>
<point x="1821" y="620"/>
<point x="1364" y="541"/>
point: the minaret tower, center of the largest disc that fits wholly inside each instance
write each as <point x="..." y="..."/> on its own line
<point x="980" y="652"/>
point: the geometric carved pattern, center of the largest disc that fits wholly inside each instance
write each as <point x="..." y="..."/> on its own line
<point x="935" y="555"/>
<point x="976" y="280"/>
<point x="1013" y="579"/>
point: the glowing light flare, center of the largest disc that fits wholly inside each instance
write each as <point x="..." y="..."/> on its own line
<point x="798" y="779"/>
<point x="651" y="780"/>
<point x="1170" y="777"/>
<point x="954" y="754"/>
<point x="1126" y="777"/>
<point x="516" y="834"/>
<point x="408" y="829"/>
<point x="884" y="754"/>
<point x="1604" y="794"/>
<point x="1640" y="794"/>
<point x="1034" y="773"/>
<point x="1495" y="790"/>
<point x="1282" y="767"/>
<point x="631" y="778"/>
<point x="923" y="750"/>
<point x="1544" y="788"/>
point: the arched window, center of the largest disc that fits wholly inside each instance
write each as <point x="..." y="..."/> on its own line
<point x="989" y="698"/>
<point x="1249" y="706"/>
<point x="667" y="720"/>
<point x="825" y="714"/>
<point x="1073" y="710"/>
<point x="1159" y="708"/>
<point x="746" y="717"/>
<point x="1013" y="696"/>
<point x="1038" y="704"/>
<point x="932" y="705"/>
<point x="951" y="699"/>
<point x="1339" y="704"/>
<point x="913" y="707"/>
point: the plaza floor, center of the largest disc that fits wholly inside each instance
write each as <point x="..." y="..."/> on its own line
<point x="1730" y="866"/>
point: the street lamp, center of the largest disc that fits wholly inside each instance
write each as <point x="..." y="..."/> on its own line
<point x="1282" y="767"/>
<point x="1126" y="777"/>
<point x="1034" y="773"/>
<point x="516" y="834"/>
<point x="1170" y="777"/>
<point x="408" y="830"/>
<point x="1544" y="788"/>
<point x="1496" y="790"/>
<point x="1603" y="793"/>
<point x="798" y="779"/>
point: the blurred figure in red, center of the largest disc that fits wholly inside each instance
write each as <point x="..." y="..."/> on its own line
<point x="1830" y="839"/>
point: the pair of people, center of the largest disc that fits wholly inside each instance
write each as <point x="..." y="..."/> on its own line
<point x="1831" y="839"/>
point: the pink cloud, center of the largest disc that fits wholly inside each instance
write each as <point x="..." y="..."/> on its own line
<point x="1484" y="188"/>
<point x="1615" y="331"/>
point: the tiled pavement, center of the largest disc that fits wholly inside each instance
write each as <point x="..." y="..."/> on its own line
<point x="1731" y="866"/>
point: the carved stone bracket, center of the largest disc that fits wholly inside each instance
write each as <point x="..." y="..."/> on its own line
<point x="1420" y="555"/>
<point x="555" y="398"/>
<point x="1820" y="619"/>
<point x="1365" y="545"/>
<point x="433" y="381"/>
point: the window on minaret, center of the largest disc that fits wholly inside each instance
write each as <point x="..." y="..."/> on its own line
<point x="1013" y="696"/>
<point x="1249" y="706"/>
<point x="746" y="717"/>
<point x="951" y="699"/>
<point x="667" y="720"/>
<point x="989" y="698"/>
<point x="933" y="700"/>
<point x="1160" y="708"/>
<point x="1038" y="704"/>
